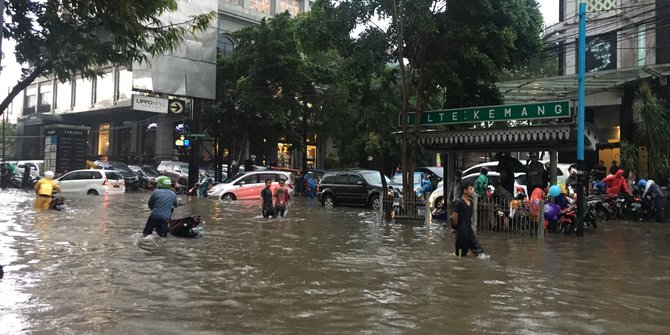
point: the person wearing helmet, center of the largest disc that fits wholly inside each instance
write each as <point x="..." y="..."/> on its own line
<point x="482" y="182"/>
<point x="44" y="190"/>
<point x="651" y="189"/>
<point x="161" y="203"/>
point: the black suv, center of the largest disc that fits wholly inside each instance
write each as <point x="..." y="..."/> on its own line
<point x="355" y="187"/>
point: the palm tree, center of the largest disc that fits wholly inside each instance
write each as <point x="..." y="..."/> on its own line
<point x="652" y="126"/>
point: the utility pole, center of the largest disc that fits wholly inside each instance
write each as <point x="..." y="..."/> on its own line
<point x="581" y="96"/>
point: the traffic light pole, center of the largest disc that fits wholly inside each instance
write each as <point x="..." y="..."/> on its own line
<point x="581" y="96"/>
<point x="193" y="169"/>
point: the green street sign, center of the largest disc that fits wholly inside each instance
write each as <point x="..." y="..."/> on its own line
<point x="544" y="110"/>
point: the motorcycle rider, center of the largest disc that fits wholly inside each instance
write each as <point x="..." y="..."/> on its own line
<point x="161" y="203"/>
<point x="616" y="184"/>
<point x="654" y="191"/>
<point x="44" y="190"/>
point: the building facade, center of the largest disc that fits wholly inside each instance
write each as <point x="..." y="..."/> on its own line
<point x="104" y="104"/>
<point x="626" y="44"/>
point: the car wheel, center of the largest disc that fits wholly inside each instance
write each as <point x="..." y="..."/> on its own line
<point x="439" y="202"/>
<point x="328" y="201"/>
<point x="228" y="197"/>
<point x="375" y="202"/>
<point x="92" y="192"/>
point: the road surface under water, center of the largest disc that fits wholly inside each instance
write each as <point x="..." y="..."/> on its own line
<point x="338" y="271"/>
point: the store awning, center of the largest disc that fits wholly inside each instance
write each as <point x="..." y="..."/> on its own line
<point x="559" y="137"/>
<point x="565" y="87"/>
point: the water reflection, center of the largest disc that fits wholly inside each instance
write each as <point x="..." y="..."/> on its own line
<point x="318" y="270"/>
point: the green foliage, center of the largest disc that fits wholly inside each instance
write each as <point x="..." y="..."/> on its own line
<point x="64" y="39"/>
<point x="269" y="87"/>
<point x="9" y="131"/>
<point x="652" y="124"/>
<point x="651" y="119"/>
<point x="629" y="156"/>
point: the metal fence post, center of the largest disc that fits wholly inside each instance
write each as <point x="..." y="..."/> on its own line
<point x="540" y="221"/>
<point x="475" y="214"/>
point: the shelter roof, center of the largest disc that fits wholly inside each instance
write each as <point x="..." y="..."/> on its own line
<point x="560" y="137"/>
<point x="565" y="87"/>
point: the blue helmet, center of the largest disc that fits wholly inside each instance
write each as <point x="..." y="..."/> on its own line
<point x="642" y="183"/>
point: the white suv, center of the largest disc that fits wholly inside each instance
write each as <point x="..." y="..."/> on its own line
<point x="92" y="182"/>
<point x="248" y="186"/>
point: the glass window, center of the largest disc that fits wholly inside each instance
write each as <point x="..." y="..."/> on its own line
<point x="355" y="179"/>
<point x="83" y="93"/>
<point x="341" y="179"/>
<point x="113" y="175"/>
<point x="64" y="96"/>
<point x="641" y="45"/>
<point x="292" y="6"/>
<point x="31" y="100"/>
<point x="104" y="87"/>
<point x="45" y="94"/>
<point x="69" y="176"/>
<point x="125" y="84"/>
<point x="327" y="180"/>
<point x="225" y="45"/>
<point x="250" y="179"/>
<point x="262" y="6"/>
<point x="103" y="139"/>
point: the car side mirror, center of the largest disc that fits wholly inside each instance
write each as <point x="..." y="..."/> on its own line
<point x="360" y="182"/>
<point x="242" y="183"/>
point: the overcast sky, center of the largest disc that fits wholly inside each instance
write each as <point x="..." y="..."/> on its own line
<point x="11" y="71"/>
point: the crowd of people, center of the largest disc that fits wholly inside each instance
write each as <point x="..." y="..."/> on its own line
<point x="613" y="182"/>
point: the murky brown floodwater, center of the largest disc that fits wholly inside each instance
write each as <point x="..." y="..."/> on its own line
<point x="316" y="272"/>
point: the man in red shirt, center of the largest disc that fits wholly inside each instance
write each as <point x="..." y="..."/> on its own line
<point x="616" y="183"/>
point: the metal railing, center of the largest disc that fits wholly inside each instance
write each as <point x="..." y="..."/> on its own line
<point x="508" y="216"/>
<point x="410" y="208"/>
<point x="492" y="214"/>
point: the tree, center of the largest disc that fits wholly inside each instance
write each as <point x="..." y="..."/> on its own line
<point x="64" y="39"/>
<point x="8" y="132"/>
<point x="454" y="48"/>
<point x="651" y="128"/>
<point x="269" y="87"/>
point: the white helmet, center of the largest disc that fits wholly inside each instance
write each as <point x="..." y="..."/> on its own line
<point x="49" y="175"/>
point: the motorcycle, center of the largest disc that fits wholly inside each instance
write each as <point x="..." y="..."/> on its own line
<point x="17" y="181"/>
<point x="57" y="202"/>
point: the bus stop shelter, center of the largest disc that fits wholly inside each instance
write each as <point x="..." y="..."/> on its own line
<point x="542" y="126"/>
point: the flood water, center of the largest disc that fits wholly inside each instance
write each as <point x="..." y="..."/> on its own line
<point x="318" y="271"/>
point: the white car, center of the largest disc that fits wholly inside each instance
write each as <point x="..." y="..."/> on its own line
<point x="248" y="186"/>
<point x="436" y="198"/>
<point x="561" y="172"/>
<point x="93" y="182"/>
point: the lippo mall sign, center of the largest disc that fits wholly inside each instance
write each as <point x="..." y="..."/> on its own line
<point x="544" y="110"/>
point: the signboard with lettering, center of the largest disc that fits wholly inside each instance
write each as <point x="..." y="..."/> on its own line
<point x="65" y="149"/>
<point x="544" y="110"/>
<point x="150" y="104"/>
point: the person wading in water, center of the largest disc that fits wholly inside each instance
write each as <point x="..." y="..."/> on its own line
<point x="461" y="221"/>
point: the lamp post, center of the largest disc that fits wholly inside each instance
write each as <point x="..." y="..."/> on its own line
<point x="581" y="96"/>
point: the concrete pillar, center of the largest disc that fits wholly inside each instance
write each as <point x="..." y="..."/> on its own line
<point x="164" y="139"/>
<point x="553" y="166"/>
<point x="304" y="6"/>
<point x="275" y="7"/>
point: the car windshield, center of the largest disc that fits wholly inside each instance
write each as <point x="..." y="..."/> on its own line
<point x="398" y="178"/>
<point x="151" y="172"/>
<point x="374" y="177"/>
<point x="230" y="180"/>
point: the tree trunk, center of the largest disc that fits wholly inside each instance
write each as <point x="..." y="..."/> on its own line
<point x="20" y="86"/>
